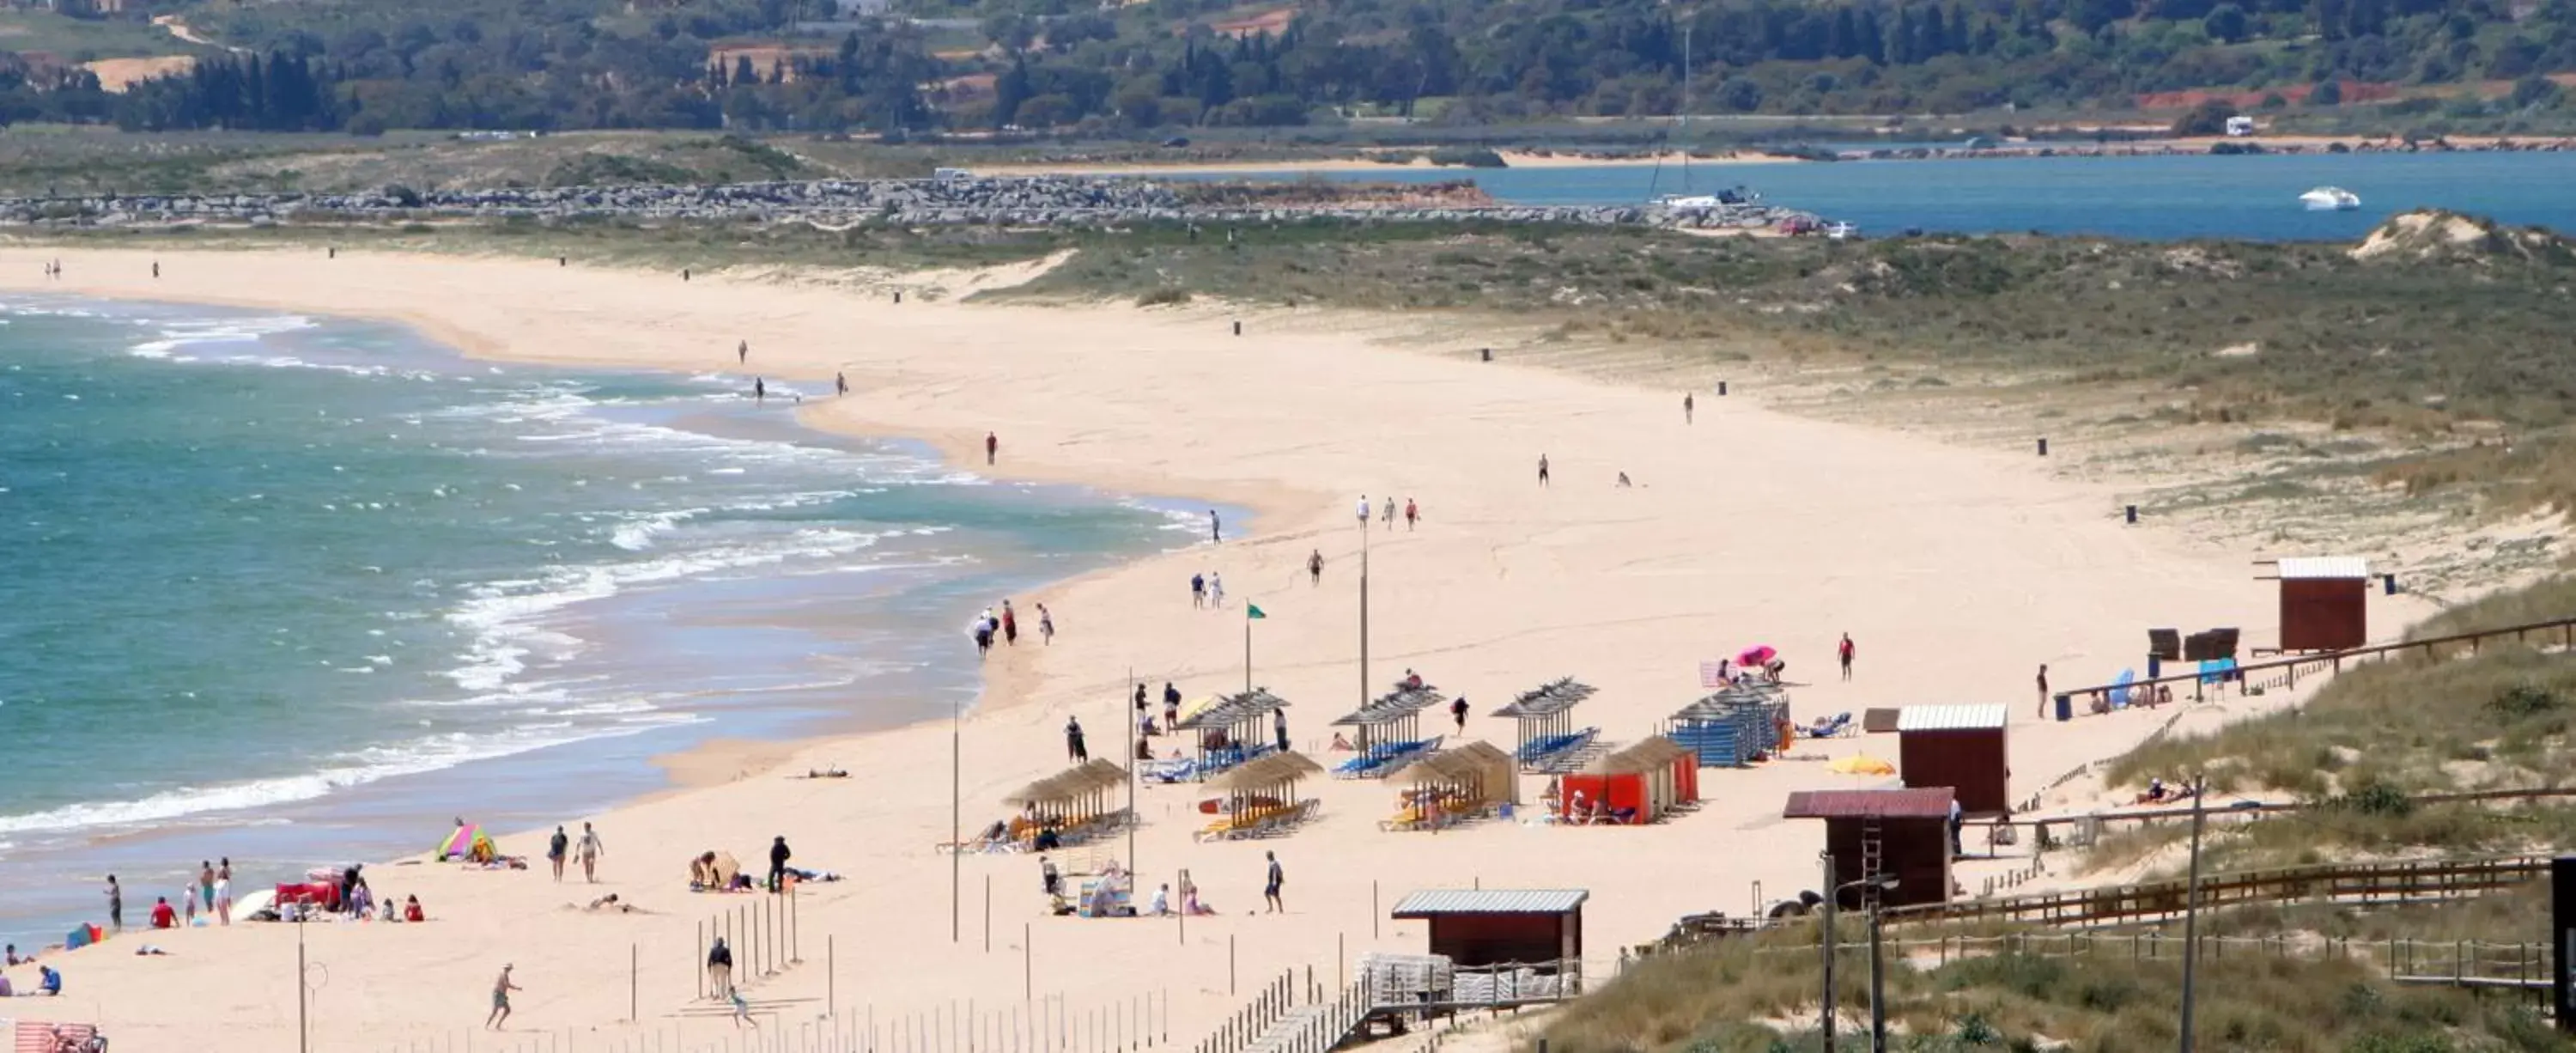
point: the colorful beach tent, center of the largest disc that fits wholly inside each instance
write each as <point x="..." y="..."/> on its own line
<point x="83" y="937"/>
<point x="463" y="842"/>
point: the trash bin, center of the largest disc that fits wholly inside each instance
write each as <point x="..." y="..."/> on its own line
<point x="2065" y="708"/>
<point x="2155" y="666"/>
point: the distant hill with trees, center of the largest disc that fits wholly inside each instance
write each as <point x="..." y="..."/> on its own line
<point x="924" y="65"/>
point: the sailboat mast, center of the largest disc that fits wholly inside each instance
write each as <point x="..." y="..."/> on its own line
<point x="1684" y="123"/>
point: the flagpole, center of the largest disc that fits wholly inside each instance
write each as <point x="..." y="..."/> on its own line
<point x="1364" y="547"/>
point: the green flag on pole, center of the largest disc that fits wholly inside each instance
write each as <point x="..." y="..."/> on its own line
<point x="1253" y="611"/>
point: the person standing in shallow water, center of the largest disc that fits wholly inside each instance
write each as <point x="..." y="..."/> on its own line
<point x="1216" y="528"/>
<point x="759" y="390"/>
<point x="840" y="383"/>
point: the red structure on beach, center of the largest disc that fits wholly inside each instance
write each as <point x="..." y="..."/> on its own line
<point x="1961" y="747"/>
<point x="1902" y="833"/>
<point x="2324" y="603"/>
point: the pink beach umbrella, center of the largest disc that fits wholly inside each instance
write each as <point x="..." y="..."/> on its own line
<point x="1757" y="656"/>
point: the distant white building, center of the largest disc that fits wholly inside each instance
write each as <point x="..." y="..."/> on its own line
<point x="2240" y="126"/>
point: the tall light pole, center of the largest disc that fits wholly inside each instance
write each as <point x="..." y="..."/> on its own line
<point x="1831" y="893"/>
<point x="956" y="817"/>
<point x="1364" y="547"/>
<point x="2191" y="909"/>
<point x="1877" y="971"/>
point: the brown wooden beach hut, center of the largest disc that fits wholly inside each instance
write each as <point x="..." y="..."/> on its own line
<point x="1542" y="928"/>
<point x="1961" y="747"/>
<point x="2324" y="603"/>
<point x="1903" y="833"/>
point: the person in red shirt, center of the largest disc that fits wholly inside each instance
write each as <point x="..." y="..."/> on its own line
<point x="162" y="916"/>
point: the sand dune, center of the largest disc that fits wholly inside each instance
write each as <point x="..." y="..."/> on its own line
<point x="1956" y="570"/>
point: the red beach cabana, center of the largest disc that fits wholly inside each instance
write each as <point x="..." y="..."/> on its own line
<point x="1634" y="786"/>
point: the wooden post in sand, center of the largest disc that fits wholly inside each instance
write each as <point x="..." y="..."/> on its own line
<point x="1028" y="963"/>
<point x="988" y="913"/>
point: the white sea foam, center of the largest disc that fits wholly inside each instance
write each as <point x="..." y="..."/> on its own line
<point x="357" y="768"/>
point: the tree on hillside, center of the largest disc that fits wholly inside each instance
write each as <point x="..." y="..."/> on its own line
<point x="2226" y="22"/>
<point x="2208" y="118"/>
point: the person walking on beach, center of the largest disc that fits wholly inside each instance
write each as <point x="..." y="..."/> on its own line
<point x="742" y="351"/>
<point x="590" y="849"/>
<point x="2043" y="691"/>
<point x="759" y="390"/>
<point x="1073" y="749"/>
<point x="778" y="857"/>
<point x="501" y="989"/>
<point x="1844" y="652"/>
<point x="1046" y="626"/>
<point x="556" y="848"/>
<point x="224" y="891"/>
<point x="1198" y="590"/>
<point x="156" y="269"/>
<point x="720" y="969"/>
<point x="1542" y="469"/>
<point x="840" y="383"/>
<point x="1270" y="888"/>
<point x="1315" y="567"/>
<point x="1412" y="514"/>
<point x="1171" y="708"/>
<point x="1458" y="712"/>
<point x="1216" y="590"/>
<point x="1364" y="512"/>
<point x="115" y="905"/>
<point x="1216" y="528"/>
<point x="1279" y="727"/>
<point x="1687" y="406"/>
<point x="992" y="446"/>
<point x="983" y="633"/>
<point x="1010" y="625"/>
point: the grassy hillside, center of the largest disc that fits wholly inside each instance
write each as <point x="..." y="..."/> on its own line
<point x="1763" y="995"/>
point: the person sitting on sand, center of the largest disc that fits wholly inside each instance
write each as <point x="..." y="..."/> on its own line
<point x="412" y="911"/>
<point x="48" y="982"/>
<point x="163" y="917"/>
<point x="5" y="990"/>
<point x="1623" y="481"/>
<point x="1162" y="904"/>
<point x="2155" y="792"/>
<point x="827" y="773"/>
<point x="1341" y="743"/>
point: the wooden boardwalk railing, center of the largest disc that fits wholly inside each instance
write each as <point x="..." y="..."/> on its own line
<point x="2285" y="671"/>
<point x="2159" y="900"/>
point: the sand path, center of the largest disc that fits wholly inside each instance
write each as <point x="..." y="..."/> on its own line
<point x="1957" y="571"/>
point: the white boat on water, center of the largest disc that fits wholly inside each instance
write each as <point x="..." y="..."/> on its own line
<point x="2330" y="199"/>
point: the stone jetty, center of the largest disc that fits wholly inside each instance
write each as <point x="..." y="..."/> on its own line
<point x="1023" y="202"/>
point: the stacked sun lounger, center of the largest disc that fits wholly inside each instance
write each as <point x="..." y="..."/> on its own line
<point x="1505" y="985"/>
<point x="1733" y="727"/>
<point x="1261" y="821"/>
<point x="1541" y="754"/>
<point x="1406" y="979"/>
<point x="1380" y="761"/>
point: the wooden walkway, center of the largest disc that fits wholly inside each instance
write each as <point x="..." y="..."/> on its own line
<point x="2286" y="671"/>
<point x="2357" y="883"/>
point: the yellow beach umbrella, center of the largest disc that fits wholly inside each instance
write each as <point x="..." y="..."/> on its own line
<point x="1862" y="764"/>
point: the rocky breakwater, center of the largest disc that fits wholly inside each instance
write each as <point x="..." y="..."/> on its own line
<point x="1035" y="201"/>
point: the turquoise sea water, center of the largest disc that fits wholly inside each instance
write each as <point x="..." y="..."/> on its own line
<point x="2156" y="198"/>
<point x="299" y="590"/>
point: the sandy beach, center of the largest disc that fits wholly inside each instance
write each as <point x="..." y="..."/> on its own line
<point x="1957" y="571"/>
